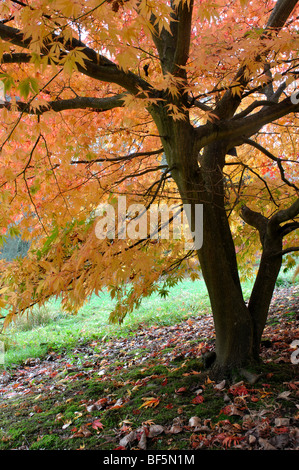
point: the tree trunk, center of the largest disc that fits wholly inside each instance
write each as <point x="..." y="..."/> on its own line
<point x="232" y="320"/>
<point x="264" y="285"/>
<point x="238" y="328"/>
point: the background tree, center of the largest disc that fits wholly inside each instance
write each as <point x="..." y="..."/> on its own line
<point x="180" y="101"/>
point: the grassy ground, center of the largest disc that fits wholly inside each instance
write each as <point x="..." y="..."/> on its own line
<point x="80" y="383"/>
<point x="48" y="327"/>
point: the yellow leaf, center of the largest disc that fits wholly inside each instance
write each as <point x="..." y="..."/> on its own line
<point x="150" y="402"/>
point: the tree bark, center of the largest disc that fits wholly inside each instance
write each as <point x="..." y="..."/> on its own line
<point x="203" y="184"/>
<point x="238" y="326"/>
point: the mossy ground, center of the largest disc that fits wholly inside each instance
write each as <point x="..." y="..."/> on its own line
<point x="61" y="412"/>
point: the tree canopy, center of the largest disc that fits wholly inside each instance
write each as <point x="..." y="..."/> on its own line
<point x="163" y="102"/>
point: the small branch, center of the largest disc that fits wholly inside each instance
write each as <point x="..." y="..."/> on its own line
<point x="197" y="104"/>
<point x="288" y="228"/>
<point x="286" y="251"/>
<point x="251" y="107"/>
<point x="256" y="220"/>
<point x="120" y="158"/>
<point x="290" y="250"/>
<point x="276" y="159"/>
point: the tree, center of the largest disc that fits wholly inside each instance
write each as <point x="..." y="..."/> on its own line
<point x="190" y="102"/>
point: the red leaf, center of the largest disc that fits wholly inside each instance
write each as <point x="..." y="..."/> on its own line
<point x="198" y="399"/>
<point x="97" y="424"/>
<point x="254" y="399"/>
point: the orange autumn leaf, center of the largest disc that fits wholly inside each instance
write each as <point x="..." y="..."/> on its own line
<point x="150" y="402"/>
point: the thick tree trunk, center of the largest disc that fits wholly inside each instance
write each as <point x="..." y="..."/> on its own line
<point x="233" y="323"/>
<point x="238" y="328"/>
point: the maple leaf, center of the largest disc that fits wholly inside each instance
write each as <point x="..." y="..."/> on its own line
<point x="198" y="399"/>
<point x="150" y="402"/>
<point x="229" y="440"/>
<point x="96" y="424"/>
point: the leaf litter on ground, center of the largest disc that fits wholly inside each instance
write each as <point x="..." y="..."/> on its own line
<point x="250" y="415"/>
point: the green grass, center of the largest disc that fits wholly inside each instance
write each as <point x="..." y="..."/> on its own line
<point x="48" y="327"/>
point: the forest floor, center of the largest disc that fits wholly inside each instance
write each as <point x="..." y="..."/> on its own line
<point x="150" y="391"/>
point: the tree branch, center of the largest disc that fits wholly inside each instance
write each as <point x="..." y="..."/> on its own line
<point x="289" y="250"/>
<point x="272" y="157"/>
<point x="236" y="130"/>
<point x="15" y="58"/>
<point x="250" y="125"/>
<point x="284" y="215"/>
<point x="98" y="104"/>
<point x="95" y="66"/>
<point x="289" y="227"/>
<point x="229" y="102"/>
<point x="183" y="36"/>
<point x="251" y="107"/>
<point x="256" y="220"/>
<point x="173" y="47"/>
<point x="286" y="251"/>
<point x="280" y="13"/>
<point x="120" y="158"/>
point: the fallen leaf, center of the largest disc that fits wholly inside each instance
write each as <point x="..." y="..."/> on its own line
<point x="198" y="399"/>
<point x="266" y="444"/>
<point x="37" y="409"/>
<point x="67" y="424"/>
<point x="83" y="432"/>
<point x="128" y="439"/>
<point x="231" y="410"/>
<point x="97" y="424"/>
<point x="194" y="421"/>
<point x="155" y="430"/>
<point x="175" y="429"/>
<point x="220" y="385"/>
<point x="229" y="440"/>
<point x="142" y="441"/>
<point x="282" y="421"/>
<point x="150" y="402"/>
<point x="181" y="390"/>
<point x="284" y="395"/>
